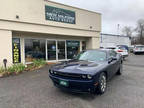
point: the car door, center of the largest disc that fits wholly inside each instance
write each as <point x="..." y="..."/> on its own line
<point x="116" y="62"/>
<point x="113" y="64"/>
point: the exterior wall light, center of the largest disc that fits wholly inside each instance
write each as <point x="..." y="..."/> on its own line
<point x="17" y="16"/>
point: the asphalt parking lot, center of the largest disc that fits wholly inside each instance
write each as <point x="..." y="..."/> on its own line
<point x="35" y="90"/>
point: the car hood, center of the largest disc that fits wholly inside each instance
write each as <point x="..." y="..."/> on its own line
<point x="79" y="67"/>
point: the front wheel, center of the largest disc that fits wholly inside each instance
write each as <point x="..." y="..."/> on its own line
<point x="102" y="85"/>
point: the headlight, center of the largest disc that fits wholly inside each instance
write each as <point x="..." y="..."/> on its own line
<point x="51" y="71"/>
<point x="84" y="76"/>
<point x="89" y="76"/>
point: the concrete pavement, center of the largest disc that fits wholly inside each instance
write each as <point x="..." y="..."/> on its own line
<point x="35" y="90"/>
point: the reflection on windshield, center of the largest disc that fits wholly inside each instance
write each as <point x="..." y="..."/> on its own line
<point x="92" y="55"/>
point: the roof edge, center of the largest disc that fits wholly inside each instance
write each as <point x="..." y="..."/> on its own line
<point x="113" y="35"/>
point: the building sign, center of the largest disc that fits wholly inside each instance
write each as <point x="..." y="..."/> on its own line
<point x="73" y="43"/>
<point x="16" y="50"/>
<point x="59" y="15"/>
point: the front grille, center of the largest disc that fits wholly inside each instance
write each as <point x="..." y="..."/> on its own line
<point x="68" y="75"/>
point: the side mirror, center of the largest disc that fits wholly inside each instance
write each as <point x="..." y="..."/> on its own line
<point x="114" y="58"/>
<point x="111" y="59"/>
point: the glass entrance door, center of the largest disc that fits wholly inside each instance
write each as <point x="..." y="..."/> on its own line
<point x="73" y="48"/>
<point x="61" y="50"/>
<point x="51" y="49"/>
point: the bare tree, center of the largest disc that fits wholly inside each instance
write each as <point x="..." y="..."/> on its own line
<point x="127" y="31"/>
<point x="140" y="30"/>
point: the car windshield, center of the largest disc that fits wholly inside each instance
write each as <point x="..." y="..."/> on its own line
<point x="92" y="55"/>
<point x="122" y="48"/>
<point x="139" y="46"/>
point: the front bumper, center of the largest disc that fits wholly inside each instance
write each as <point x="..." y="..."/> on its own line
<point x="125" y="56"/>
<point x="138" y="51"/>
<point x="77" y="86"/>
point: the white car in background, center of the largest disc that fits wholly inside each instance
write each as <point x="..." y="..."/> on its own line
<point x="138" y="49"/>
<point x="122" y="50"/>
<point x="131" y="48"/>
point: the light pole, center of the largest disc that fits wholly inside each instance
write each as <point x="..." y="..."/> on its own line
<point x="118" y="27"/>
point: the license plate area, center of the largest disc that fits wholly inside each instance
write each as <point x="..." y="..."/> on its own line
<point x="64" y="83"/>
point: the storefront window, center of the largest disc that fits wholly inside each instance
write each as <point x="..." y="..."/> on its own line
<point x="51" y="48"/>
<point x="56" y="50"/>
<point x="73" y="48"/>
<point x="61" y="50"/>
<point x="34" y="49"/>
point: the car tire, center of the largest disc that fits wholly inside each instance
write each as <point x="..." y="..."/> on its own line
<point x="124" y="59"/>
<point x="102" y="85"/>
<point x="119" y="72"/>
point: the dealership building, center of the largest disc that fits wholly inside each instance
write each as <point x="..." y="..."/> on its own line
<point x="42" y="29"/>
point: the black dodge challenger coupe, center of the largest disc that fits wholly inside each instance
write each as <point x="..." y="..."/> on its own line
<point x="89" y="71"/>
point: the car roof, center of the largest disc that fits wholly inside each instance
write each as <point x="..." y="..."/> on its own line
<point x="139" y="45"/>
<point x="102" y="49"/>
<point x="123" y="45"/>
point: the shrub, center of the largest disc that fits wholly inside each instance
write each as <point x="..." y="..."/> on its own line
<point x="16" y="68"/>
<point x="39" y="62"/>
<point x="11" y="69"/>
<point x="2" y="69"/>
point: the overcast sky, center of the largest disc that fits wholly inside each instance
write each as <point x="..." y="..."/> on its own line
<point x="114" y="12"/>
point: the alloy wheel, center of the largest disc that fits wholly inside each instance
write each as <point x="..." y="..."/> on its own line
<point x="103" y="83"/>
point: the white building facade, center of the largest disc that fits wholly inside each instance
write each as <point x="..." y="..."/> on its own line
<point x="111" y="40"/>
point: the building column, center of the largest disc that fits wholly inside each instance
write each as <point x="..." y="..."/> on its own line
<point x="6" y="47"/>
<point x="22" y="50"/>
<point x="80" y="46"/>
<point x="93" y="43"/>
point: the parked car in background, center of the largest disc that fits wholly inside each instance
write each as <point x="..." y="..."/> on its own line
<point x="125" y="46"/>
<point x="113" y="48"/>
<point x="131" y="48"/>
<point x="89" y="71"/>
<point x="138" y="49"/>
<point x="122" y="50"/>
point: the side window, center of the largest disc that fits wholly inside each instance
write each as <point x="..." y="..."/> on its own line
<point x="113" y="54"/>
<point x="110" y="54"/>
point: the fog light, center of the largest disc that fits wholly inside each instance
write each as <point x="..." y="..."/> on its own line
<point x="89" y="76"/>
<point x="84" y="76"/>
